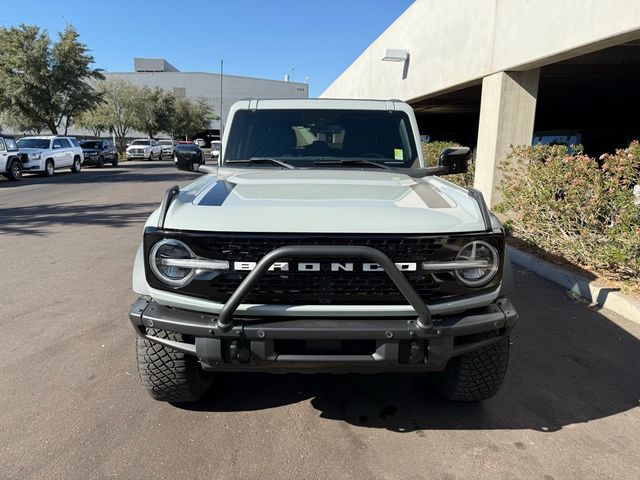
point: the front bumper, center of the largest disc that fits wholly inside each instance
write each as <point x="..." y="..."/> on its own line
<point x="337" y="345"/>
<point x="138" y="155"/>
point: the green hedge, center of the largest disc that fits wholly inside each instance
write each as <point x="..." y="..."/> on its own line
<point x="571" y="206"/>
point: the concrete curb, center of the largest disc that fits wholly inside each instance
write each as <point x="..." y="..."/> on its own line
<point x="606" y="297"/>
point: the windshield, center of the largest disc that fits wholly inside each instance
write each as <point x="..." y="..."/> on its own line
<point x="33" y="143"/>
<point x="305" y="137"/>
<point x="188" y="148"/>
<point x="165" y="142"/>
<point x="140" y="142"/>
<point x="96" y="145"/>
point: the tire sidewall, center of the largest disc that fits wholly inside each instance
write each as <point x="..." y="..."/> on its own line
<point x="15" y="171"/>
<point x="49" y="172"/>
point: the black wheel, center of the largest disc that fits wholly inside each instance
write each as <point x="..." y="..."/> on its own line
<point x="477" y="375"/>
<point x="100" y="162"/>
<point x="114" y="162"/>
<point x="77" y="165"/>
<point x="167" y="374"/>
<point x="160" y="156"/>
<point x="15" y="171"/>
<point x="49" y="168"/>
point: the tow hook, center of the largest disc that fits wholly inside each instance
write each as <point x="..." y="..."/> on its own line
<point x="239" y="352"/>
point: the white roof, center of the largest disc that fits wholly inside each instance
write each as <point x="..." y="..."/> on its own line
<point x="48" y="137"/>
<point x="321" y="104"/>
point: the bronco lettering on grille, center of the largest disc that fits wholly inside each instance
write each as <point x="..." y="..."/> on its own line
<point x="316" y="267"/>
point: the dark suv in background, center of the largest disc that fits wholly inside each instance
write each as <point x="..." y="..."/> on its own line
<point x="99" y="152"/>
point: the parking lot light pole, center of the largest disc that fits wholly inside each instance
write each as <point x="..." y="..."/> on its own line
<point x="221" y="76"/>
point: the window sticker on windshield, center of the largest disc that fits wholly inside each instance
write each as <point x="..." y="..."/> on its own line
<point x="397" y="154"/>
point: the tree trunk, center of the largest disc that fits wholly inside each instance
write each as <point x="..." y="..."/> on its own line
<point x="53" y="127"/>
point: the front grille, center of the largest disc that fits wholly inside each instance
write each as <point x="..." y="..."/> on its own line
<point x="324" y="287"/>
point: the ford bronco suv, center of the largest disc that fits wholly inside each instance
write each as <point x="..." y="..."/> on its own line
<point x="322" y="243"/>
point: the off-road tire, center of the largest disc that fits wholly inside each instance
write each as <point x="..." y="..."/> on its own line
<point x="49" y="172"/>
<point x="167" y="374"/>
<point x="477" y="375"/>
<point x="14" y="173"/>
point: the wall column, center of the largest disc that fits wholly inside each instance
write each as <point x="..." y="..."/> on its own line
<point x="507" y="115"/>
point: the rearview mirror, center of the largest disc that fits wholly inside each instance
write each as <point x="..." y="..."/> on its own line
<point x="454" y="160"/>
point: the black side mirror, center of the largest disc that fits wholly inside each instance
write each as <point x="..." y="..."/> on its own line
<point x="454" y="160"/>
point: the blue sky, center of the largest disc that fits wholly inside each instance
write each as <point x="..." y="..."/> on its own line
<point x="259" y="38"/>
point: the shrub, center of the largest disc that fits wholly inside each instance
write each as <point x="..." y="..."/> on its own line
<point x="570" y="206"/>
<point x="432" y="151"/>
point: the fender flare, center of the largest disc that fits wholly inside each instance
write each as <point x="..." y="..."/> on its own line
<point x="10" y="160"/>
<point x="507" y="286"/>
<point x="139" y="279"/>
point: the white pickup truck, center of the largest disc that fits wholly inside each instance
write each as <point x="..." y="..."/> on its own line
<point x="144" y="148"/>
<point x="45" y="154"/>
<point x="10" y="159"/>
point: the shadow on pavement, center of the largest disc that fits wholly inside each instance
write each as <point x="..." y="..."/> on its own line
<point x="36" y="219"/>
<point x="137" y="172"/>
<point x="569" y="364"/>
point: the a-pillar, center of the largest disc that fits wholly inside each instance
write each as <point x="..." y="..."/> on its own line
<point x="507" y="115"/>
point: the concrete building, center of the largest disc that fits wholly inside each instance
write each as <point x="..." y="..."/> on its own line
<point x="489" y="73"/>
<point x="157" y="72"/>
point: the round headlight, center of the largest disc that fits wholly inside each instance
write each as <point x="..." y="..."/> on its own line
<point x="160" y="261"/>
<point x="481" y="252"/>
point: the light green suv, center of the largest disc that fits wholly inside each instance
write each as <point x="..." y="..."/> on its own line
<point x="321" y="243"/>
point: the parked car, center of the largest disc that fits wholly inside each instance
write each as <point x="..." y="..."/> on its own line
<point x="45" y="154"/>
<point x="215" y="149"/>
<point x="10" y="158"/>
<point x="167" y="146"/>
<point x="200" y="142"/>
<point x="99" y="152"/>
<point x="323" y="243"/>
<point x="144" y="148"/>
<point x="186" y="156"/>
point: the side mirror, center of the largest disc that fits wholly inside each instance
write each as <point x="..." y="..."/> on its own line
<point x="454" y="160"/>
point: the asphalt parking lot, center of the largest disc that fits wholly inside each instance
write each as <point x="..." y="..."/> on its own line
<point x="72" y="405"/>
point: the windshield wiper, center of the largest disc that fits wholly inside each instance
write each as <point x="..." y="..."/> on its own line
<point x="262" y="160"/>
<point x="351" y="161"/>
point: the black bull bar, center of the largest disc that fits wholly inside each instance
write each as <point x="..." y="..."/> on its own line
<point x="225" y="320"/>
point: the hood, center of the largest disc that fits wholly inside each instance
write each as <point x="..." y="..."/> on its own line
<point x="138" y="146"/>
<point x="323" y="201"/>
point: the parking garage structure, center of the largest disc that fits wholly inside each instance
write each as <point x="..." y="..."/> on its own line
<point x="492" y="74"/>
